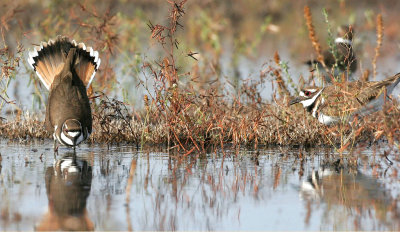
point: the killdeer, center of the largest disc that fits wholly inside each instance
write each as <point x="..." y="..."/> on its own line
<point x="343" y="56"/>
<point x="334" y="103"/>
<point x="66" y="69"/>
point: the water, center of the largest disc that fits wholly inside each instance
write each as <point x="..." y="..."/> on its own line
<point x="122" y="188"/>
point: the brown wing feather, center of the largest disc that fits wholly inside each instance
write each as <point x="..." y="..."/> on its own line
<point x="374" y="89"/>
<point x="354" y="96"/>
<point x="340" y="99"/>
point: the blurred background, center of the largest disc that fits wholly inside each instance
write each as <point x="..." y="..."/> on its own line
<point x="234" y="41"/>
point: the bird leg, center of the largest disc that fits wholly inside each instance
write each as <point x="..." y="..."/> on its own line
<point x="55" y="147"/>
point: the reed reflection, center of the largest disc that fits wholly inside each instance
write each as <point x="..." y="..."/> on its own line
<point x="68" y="185"/>
<point x="349" y="198"/>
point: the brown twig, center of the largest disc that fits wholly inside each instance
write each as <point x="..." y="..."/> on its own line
<point x="379" y="34"/>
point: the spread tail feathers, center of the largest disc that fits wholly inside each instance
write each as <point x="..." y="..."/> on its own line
<point x="48" y="60"/>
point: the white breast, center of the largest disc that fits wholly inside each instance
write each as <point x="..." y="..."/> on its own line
<point x="66" y="140"/>
<point x="72" y="133"/>
<point x="327" y="120"/>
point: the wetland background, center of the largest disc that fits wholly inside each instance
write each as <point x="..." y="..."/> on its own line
<point x="209" y="80"/>
<point x="199" y="73"/>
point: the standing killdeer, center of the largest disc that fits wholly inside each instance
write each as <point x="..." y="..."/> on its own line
<point x="343" y="100"/>
<point x="343" y="56"/>
<point x="66" y="69"/>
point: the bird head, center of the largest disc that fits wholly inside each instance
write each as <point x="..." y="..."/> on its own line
<point x="72" y="132"/>
<point x="307" y="96"/>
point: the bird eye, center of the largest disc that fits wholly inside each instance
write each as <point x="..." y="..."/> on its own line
<point x="307" y="93"/>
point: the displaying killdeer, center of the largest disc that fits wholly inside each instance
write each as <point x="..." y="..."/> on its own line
<point x="334" y="103"/>
<point x="66" y="69"/>
<point x="343" y="55"/>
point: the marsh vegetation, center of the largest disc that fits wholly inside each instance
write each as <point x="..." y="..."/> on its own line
<point x="183" y="74"/>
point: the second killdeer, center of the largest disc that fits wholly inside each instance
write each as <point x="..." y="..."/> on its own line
<point x="66" y="69"/>
<point x="333" y="103"/>
<point x="342" y="59"/>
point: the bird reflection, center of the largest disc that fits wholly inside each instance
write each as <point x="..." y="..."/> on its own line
<point x="68" y="185"/>
<point x="351" y="193"/>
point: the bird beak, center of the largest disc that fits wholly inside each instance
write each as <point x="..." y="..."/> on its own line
<point x="295" y="100"/>
<point x="76" y="138"/>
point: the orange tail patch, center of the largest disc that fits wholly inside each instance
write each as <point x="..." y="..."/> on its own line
<point x="49" y="58"/>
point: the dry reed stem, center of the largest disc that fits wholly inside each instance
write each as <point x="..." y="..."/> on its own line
<point x="379" y="34"/>
<point x="283" y="91"/>
<point x="313" y="37"/>
<point x="365" y="75"/>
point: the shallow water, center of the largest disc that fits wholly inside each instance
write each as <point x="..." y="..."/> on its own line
<point x="122" y="188"/>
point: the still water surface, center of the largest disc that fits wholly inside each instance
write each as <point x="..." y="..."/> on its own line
<point x="122" y="188"/>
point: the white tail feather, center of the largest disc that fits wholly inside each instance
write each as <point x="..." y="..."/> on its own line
<point x="31" y="62"/>
<point x="82" y="45"/>
<point x="30" y="57"/>
<point x="42" y="80"/>
<point x="94" y="73"/>
<point x="96" y="56"/>
<point x="91" y="51"/>
<point x="98" y="63"/>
